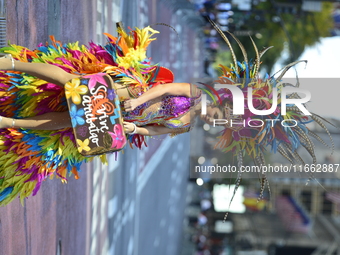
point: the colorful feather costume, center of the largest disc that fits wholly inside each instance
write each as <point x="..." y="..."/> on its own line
<point x="28" y="157"/>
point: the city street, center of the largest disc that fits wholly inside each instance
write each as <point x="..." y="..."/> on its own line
<point x="135" y="205"/>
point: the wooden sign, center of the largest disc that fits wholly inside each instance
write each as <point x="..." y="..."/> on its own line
<point x="95" y="114"/>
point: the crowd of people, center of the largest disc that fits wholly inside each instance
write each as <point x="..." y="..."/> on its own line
<point x="221" y="13"/>
<point x="199" y="232"/>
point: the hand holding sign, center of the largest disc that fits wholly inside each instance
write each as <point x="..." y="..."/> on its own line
<point x="129" y="127"/>
<point x="131" y="104"/>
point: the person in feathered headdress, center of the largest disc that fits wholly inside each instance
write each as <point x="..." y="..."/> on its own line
<point x="44" y="106"/>
<point x="36" y="135"/>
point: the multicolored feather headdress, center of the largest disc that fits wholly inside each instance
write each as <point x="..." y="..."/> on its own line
<point x="283" y="133"/>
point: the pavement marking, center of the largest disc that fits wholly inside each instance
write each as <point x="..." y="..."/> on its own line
<point x="152" y="164"/>
<point x="105" y="248"/>
<point x="93" y="249"/>
<point x="179" y="162"/>
<point x="112" y="206"/>
<point x="163" y="222"/>
<point x="180" y="147"/>
<point x="132" y="172"/>
<point x="173" y="175"/>
<point x="171" y="230"/>
<point x="99" y="35"/>
<point x="130" y="246"/>
<point x="143" y="17"/>
<point x="175" y="46"/>
<point x="175" y="156"/>
<point x="106" y="19"/>
<point x="103" y="210"/>
<point x="178" y="181"/>
<point x="143" y="179"/>
<point x="99" y="20"/>
<point x="141" y="159"/>
<point x="99" y="205"/>
<point x="112" y="249"/>
<point x="132" y="209"/>
<point x="197" y="54"/>
<point x="116" y="15"/>
<point x="156" y="241"/>
<point x="126" y="204"/>
<point x="96" y="171"/>
<point x="95" y="200"/>
<point x="170" y="249"/>
<point x="172" y="210"/>
<point x="178" y="28"/>
<point x="123" y="217"/>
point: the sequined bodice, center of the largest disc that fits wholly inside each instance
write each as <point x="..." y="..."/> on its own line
<point x="166" y="111"/>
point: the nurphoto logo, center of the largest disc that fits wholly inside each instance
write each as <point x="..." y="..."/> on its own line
<point x="238" y="106"/>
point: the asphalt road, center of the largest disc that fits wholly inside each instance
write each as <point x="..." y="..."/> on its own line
<point x="134" y="206"/>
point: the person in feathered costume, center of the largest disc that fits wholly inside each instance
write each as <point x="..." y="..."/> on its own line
<point x="36" y="135"/>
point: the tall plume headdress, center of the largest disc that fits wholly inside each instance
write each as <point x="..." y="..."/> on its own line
<point x="253" y="139"/>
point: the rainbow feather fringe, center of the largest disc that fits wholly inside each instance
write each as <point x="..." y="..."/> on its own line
<point x="28" y="157"/>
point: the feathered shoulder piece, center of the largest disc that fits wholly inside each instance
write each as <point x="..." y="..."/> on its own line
<point x="133" y="67"/>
